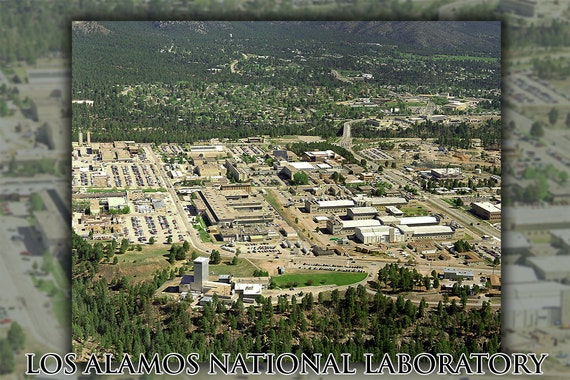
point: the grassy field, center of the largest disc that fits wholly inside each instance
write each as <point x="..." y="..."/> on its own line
<point x="315" y="279"/>
<point x="414" y="211"/>
<point x="243" y="268"/>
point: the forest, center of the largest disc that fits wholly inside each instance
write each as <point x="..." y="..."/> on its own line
<point x="184" y="82"/>
<point x="125" y="316"/>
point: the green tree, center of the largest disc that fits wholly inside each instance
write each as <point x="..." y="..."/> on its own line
<point x="215" y="257"/>
<point x="235" y="260"/>
<point x="553" y="116"/>
<point x="7" y="362"/>
<point x="537" y="130"/>
<point x="300" y="178"/>
<point x="16" y="337"/>
<point x="151" y="240"/>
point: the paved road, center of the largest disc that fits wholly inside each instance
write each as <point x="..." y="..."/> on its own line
<point x="468" y="221"/>
<point x="195" y="240"/>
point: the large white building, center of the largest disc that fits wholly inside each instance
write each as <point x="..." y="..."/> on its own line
<point x="379" y="234"/>
<point x="329" y="207"/>
<point x="338" y="226"/>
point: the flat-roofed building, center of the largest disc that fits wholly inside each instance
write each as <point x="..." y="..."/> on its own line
<point x="378" y="234"/>
<point x="534" y="221"/>
<point x="486" y="210"/>
<point x="380" y="203"/>
<point x="329" y="207"/>
<point x="429" y="232"/>
<point x="239" y="171"/>
<point x="218" y="210"/>
<point x="515" y="243"/>
<point x="206" y="151"/>
<point x="318" y="156"/>
<point x="345" y="227"/>
<point x="248" y="290"/>
<point x="551" y="268"/>
<point x="388" y="220"/>
<point x="455" y="274"/>
<point x="446" y="172"/>
<point x="419" y="221"/>
<point x="561" y="238"/>
<point x="210" y="169"/>
<point x="290" y="168"/>
<point x="55" y="232"/>
<point x="359" y="213"/>
<point x="393" y="210"/>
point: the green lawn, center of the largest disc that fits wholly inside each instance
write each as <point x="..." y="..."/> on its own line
<point x="315" y="279"/>
<point x="243" y="268"/>
<point x="414" y="211"/>
<point x="148" y="252"/>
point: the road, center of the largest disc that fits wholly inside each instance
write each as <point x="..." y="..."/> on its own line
<point x="195" y="240"/>
<point x="471" y="223"/>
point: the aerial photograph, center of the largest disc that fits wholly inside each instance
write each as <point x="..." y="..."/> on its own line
<point x="286" y="187"/>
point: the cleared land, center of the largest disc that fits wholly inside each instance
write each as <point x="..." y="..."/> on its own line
<point x="316" y="279"/>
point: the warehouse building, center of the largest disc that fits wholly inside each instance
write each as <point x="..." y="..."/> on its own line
<point x="216" y="209"/>
<point x="561" y="239"/>
<point x="318" y="156"/>
<point x="446" y="173"/>
<point x="535" y="221"/>
<point x="486" y="210"/>
<point x="378" y="234"/>
<point x="392" y="210"/>
<point x="531" y="303"/>
<point x="360" y="213"/>
<point x="338" y="226"/>
<point x="455" y="274"/>
<point x="328" y="207"/>
<point x="380" y="203"/>
<point x="551" y="268"/>
<point x="426" y="232"/>
<point x="419" y="221"/>
<point x="290" y="168"/>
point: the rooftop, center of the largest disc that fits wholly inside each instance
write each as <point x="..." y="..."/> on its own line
<point x="418" y="220"/>
<point x="336" y="203"/>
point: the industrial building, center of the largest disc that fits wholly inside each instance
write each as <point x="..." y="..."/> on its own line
<point x="455" y="274"/>
<point x="446" y="173"/>
<point x="426" y="232"/>
<point x="290" y="168"/>
<point x="535" y="221"/>
<point x="378" y="234"/>
<point x="239" y="171"/>
<point x="220" y="209"/>
<point x="328" y="207"/>
<point x="338" y="226"/>
<point x="419" y="221"/>
<point x="486" y="210"/>
<point x="380" y="203"/>
<point x="561" y="238"/>
<point x="551" y="268"/>
<point x="392" y="210"/>
<point x="531" y="303"/>
<point x="318" y="156"/>
<point x="360" y="213"/>
<point x="206" y="151"/>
